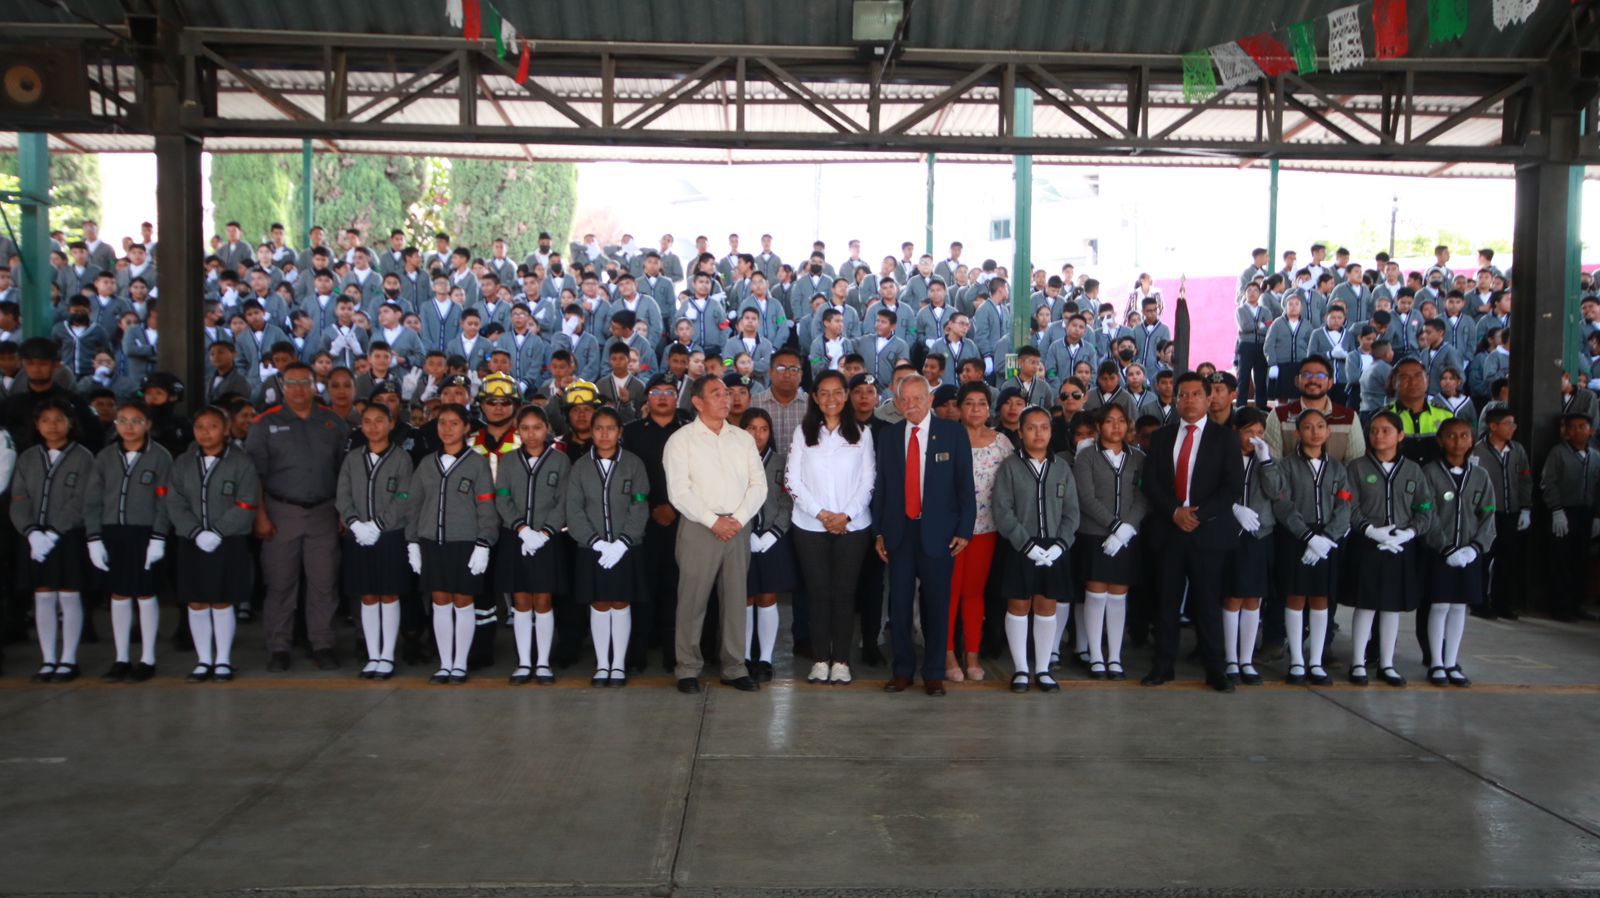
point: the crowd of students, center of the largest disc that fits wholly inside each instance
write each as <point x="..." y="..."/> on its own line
<point x="447" y="441"/>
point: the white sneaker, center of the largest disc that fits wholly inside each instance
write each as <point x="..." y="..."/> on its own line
<point x="840" y="674"/>
<point x="819" y="673"/>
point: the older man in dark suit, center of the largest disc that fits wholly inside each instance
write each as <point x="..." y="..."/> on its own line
<point x="1192" y="477"/>
<point x="923" y="508"/>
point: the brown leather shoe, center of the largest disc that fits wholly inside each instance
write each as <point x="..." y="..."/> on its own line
<point x="897" y="684"/>
<point x="933" y="687"/>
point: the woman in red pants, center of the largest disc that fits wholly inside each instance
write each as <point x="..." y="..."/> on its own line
<point x="971" y="572"/>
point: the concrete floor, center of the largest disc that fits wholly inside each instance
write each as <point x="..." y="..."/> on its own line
<point x="313" y="783"/>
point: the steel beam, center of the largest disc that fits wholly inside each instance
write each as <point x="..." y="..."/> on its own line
<point x="1022" y="230"/>
<point x="1540" y="245"/>
<point x="33" y="169"/>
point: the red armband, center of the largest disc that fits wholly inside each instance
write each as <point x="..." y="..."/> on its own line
<point x="246" y="506"/>
<point x="1342" y="496"/>
<point x="486" y="497"/>
<point x="161" y="492"/>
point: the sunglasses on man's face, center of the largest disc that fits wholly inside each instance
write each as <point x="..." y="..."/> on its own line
<point x="1071" y="395"/>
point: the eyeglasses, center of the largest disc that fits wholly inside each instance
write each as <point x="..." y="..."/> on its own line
<point x="131" y="422"/>
<point x="1314" y="375"/>
<point x="299" y="382"/>
<point x="786" y="369"/>
<point x="1071" y="395"/>
<point x="496" y="402"/>
<point x="664" y="391"/>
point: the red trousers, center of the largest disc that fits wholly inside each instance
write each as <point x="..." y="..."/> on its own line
<point x="967" y="582"/>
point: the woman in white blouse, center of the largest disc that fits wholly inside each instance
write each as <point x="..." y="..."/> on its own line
<point x="830" y="473"/>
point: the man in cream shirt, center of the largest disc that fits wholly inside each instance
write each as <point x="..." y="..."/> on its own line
<point x="716" y="481"/>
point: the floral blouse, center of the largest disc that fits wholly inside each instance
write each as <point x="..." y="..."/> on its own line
<point x="985" y="462"/>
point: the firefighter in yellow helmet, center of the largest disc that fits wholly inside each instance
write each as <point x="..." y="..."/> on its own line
<point x="498" y="400"/>
<point x="578" y="403"/>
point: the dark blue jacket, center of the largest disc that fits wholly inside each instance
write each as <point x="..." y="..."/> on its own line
<point x="949" y="499"/>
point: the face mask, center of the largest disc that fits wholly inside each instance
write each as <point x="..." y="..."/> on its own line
<point x="102" y="371"/>
<point x="816" y="269"/>
<point x="556" y="268"/>
<point x="392" y="294"/>
<point x="1126" y="355"/>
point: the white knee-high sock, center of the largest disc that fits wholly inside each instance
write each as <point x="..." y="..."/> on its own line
<point x="1080" y="640"/>
<point x="389" y="617"/>
<point x="372" y="630"/>
<point x="767" y="631"/>
<point x="1116" y="620"/>
<point x="621" y="629"/>
<point x="222" y="623"/>
<point x="444" y="637"/>
<point x="600" y="634"/>
<point x="1437" y="614"/>
<point x="749" y="628"/>
<point x="1093" y="623"/>
<point x="1388" y="635"/>
<point x="45" y="620"/>
<point x="149" y="628"/>
<point x="1249" y="624"/>
<point x="200" y="629"/>
<point x="544" y="627"/>
<point x="1294" y="625"/>
<point x="1230" y="636"/>
<point x="1455" y="626"/>
<point x="1361" y="634"/>
<point x="522" y="628"/>
<point x="1017" y="639"/>
<point x="1044" y="630"/>
<point x="71" y="625"/>
<point x="122" y="627"/>
<point x="1318" y="638"/>
<point x="466" y="628"/>
<point x="1063" y="617"/>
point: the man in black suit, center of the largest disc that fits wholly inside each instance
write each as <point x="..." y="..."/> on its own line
<point x="1192" y="477"/>
<point x="923" y="511"/>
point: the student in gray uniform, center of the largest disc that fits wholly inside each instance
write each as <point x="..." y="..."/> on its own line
<point x="1570" y="485"/>
<point x="607" y="509"/>
<point x="1287" y="342"/>
<point x="212" y="503"/>
<point x="1109" y="391"/>
<point x="531" y="497"/>
<point x="882" y="350"/>
<point x="374" y="502"/>
<point x="1507" y="463"/>
<point x="48" y="487"/>
<point x="772" y="554"/>
<point x="125" y="522"/>
<point x="452" y="525"/>
<point x="1249" y="564"/>
<point x="1035" y="509"/>
<point x="1111" y="507"/>
<point x="1393" y="505"/>
<point x="1459" y="541"/>
<point x="1314" y="511"/>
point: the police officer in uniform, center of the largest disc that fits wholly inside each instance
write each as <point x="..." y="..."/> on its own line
<point x="297" y="448"/>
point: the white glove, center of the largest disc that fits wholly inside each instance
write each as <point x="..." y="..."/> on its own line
<point x="1272" y="373"/>
<point x="267" y="370"/>
<point x="1309" y="556"/>
<point x="207" y="540"/>
<point x="1037" y="555"/>
<point x="1262" y="452"/>
<point x="1558" y="524"/>
<point x="1050" y="555"/>
<point x="1112" y="546"/>
<point x="1524" y="519"/>
<point x="1380" y="535"/>
<point x="1125" y="532"/>
<point x="1401" y="537"/>
<point x="97" y="555"/>
<point x="1247" y="517"/>
<point x="1392" y="547"/>
<point x="414" y="557"/>
<point x="532" y="540"/>
<point x="1462" y="557"/>
<point x="930" y="341"/>
<point x="757" y="543"/>
<point x="988" y="367"/>
<point x="611" y="552"/>
<point x="1322" y="546"/>
<point x="1594" y="383"/>
<point x="479" y="562"/>
<point x="154" y="552"/>
<point x="1339" y="352"/>
<point x="365" y="532"/>
<point x="1084" y="443"/>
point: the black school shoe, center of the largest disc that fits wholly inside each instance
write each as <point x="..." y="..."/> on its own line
<point x="143" y="672"/>
<point x="65" y="673"/>
<point x="118" y="673"/>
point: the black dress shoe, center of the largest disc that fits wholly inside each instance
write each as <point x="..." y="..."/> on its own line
<point x="1045" y="682"/>
<point x="897" y="684"/>
<point x="458" y="676"/>
<point x="1358" y="679"/>
<point x="689" y="685"/>
<point x="1250" y="677"/>
<point x="743" y="684"/>
<point x="278" y="663"/>
<point x="118" y="673"/>
<point x="440" y="677"/>
<point x="933" y="687"/>
<point x="763" y="671"/>
<point x="1392" y="677"/>
<point x="521" y="676"/>
<point x="1457" y="678"/>
<point x="1318" y="676"/>
<point x="385" y="670"/>
<point x="619" y="678"/>
<point x="1020" y="682"/>
<point x="222" y="673"/>
<point x="324" y="659"/>
<point x="142" y="672"/>
<point x="65" y="673"/>
<point x="1220" y="683"/>
<point x="543" y="675"/>
<point x="1296" y="679"/>
<point x="1154" y="678"/>
<point x="200" y="674"/>
<point x="43" y="674"/>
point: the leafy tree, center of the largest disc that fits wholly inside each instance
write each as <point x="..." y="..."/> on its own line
<point x="254" y="189"/>
<point x="74" y="189"/>
<point x="514" y="200"/>
<point x="369" y="193"/>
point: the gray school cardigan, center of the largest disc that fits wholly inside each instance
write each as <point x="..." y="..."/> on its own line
<point x="1311" y="506"/>
<point x="1263" y="487"/>
<point x="1031" y="510"/>
<point x="50" y="497"/>
<point x="1511" y="475"/>
<point x="223" y="500"/>
<point x="1402" y="498"/>
<point x="532" y="491"/>
<point x="128" y="495"/>
<point x="1108" y="498"/>
<point x="1463" y="511"/>
<point x="608" y="508"/>
<point x="453" y="506"/>
<point x="778" y="507"/>
<point x="376" y="492"/>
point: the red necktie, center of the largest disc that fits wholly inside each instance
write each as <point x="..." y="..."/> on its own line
<point x="914" y="475"/>
<point x="1182" y="480"/>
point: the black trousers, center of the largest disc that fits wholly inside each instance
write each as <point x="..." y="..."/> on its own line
<point x="869" y="599"/>
<point x="1187" y="566"/>
<point x="656" y="617"/>
<point x="831" y="565"/>
<point x="1568" y="559"/>
<point x="1505" y="566"/>
<point x="1252" y="370"/>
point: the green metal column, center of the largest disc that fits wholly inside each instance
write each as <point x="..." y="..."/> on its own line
<point x="1272" y="218"/>
<point x="305" y="191"/>
<point x="1570" y="292"/>
<point x="1022" y="228"/>
<point x="928" y="241"/>
<point x="33" y="167"/>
